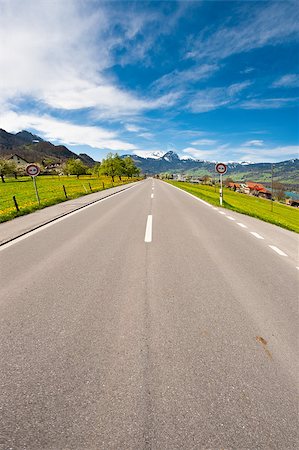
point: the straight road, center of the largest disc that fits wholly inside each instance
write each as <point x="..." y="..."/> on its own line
<point x="150" y="321"/>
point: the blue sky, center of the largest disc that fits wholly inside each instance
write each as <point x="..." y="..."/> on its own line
<point x="210" y="80"/>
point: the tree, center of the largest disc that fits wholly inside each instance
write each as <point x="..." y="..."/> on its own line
<point x="278" y="191"/>
<point x="96" y="170"/>
<point x="130" y="167"/>
<point x="75" y="167"/>
<point x="110" y="166"/>
<point x="206" y="179"/>
<point x="227" y="181"/>
<point x="7" y="168"/>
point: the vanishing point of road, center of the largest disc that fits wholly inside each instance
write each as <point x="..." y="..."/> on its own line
<point x="150" y="320"/>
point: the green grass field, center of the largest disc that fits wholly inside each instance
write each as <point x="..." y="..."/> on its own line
<point x="50" y="189"/>
<point x="282" y="215"/>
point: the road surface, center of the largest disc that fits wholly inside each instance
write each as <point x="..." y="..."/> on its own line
<point x="150" y="321"/>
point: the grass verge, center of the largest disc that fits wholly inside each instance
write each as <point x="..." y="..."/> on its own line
<point x="282" y="215"/>
<point x="51" y="191"/>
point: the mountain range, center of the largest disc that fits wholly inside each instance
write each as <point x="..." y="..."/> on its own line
<point x="285" y="171"/>
<point x="34" y="149"/>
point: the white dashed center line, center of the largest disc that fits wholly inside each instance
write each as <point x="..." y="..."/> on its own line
<point x="277" y="250"/>
<point x="230" y="218"/>
<point x="258" y="236"/>
<point x="149" y="228"/>
<point x="221" y="212"/>
<point x="241" y="225"/>
<point x="152" y="195"/>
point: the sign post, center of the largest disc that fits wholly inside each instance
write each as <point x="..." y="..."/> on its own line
<point x="33" y="170"/>
<point x="221" y="168"/>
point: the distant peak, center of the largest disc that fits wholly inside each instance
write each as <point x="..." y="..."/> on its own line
<point x="170" y="156"/>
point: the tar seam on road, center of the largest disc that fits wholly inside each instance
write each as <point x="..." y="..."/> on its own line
<point x="51" y="222"/>
<point x="149" y="229"/>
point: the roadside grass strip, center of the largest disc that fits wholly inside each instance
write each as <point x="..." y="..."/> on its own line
<point x="51" y="189"/>
<point x="282" y="215"/>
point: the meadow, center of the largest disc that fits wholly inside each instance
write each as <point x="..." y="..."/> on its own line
<point x="50" y="190"/>
<point x="282" y="215"/>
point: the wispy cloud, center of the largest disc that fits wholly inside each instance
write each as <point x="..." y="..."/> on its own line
<point x="200" y="154"/>
<point x="268" y="103"/>
<point x="270" y="24"/>
<point x="64" y="132"/>
<point x="177" y="79"/>
<point x="254" y="143"/>
<point x="270" y="154"/>
<point x="204" y="142"/>
<point x="290" y="80"/>
<point x="215" y="98"/>
<point x="132" y="128"/>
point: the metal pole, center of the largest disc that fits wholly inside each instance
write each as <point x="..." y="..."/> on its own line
<point x="221" y="192"/>
<point x="272" y="188"/>
<point x="36" y="191"/>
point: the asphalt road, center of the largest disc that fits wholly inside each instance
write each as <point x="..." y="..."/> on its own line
<point x="150" y="321"/>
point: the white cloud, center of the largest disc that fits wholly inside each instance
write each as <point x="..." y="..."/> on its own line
<point x="204" y="142"/>
<point x="200" y="154"/>
<point x="57" y="52"/>
<point x="290" y="80"/>
<point x="132" y="128"/>
<point x="64" y="132"/>
<point x="270" y="154"/>
<point x="255" y="143"/>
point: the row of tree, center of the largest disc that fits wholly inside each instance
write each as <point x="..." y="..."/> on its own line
<point x="112" y="166"/>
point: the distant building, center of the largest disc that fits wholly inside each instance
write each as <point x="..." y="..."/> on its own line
<point x="18" y="160"/>
<point x="258" y="190"/>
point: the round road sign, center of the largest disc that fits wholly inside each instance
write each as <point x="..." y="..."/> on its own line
<point x="221" y="168"/>
<point x="32" y="170"/>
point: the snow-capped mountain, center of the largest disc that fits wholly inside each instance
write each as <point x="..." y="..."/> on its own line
<point x="156" y="154"/>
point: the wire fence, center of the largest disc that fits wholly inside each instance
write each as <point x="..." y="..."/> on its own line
<point x="19" y="201"/>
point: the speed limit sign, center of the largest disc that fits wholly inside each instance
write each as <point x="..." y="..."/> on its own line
<point x="221" y="168"/>
<point x="32" y="170"/>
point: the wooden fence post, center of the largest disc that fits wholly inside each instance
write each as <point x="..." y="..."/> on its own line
<point x="64" y="190"/>
<point x="16" y="203"/>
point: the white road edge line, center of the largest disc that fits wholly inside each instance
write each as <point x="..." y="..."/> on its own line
<point x="258" y="236"/>
<point x="277" y="250"/>
<point x="230" y="218"/>
<point x="149" y="229"/>
<point x="152" y="195"/>
<point x="60" y="219"/>
<point x="241" y="225"/>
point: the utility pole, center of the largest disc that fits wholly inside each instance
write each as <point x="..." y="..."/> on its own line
<point x="272" y="200"/>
